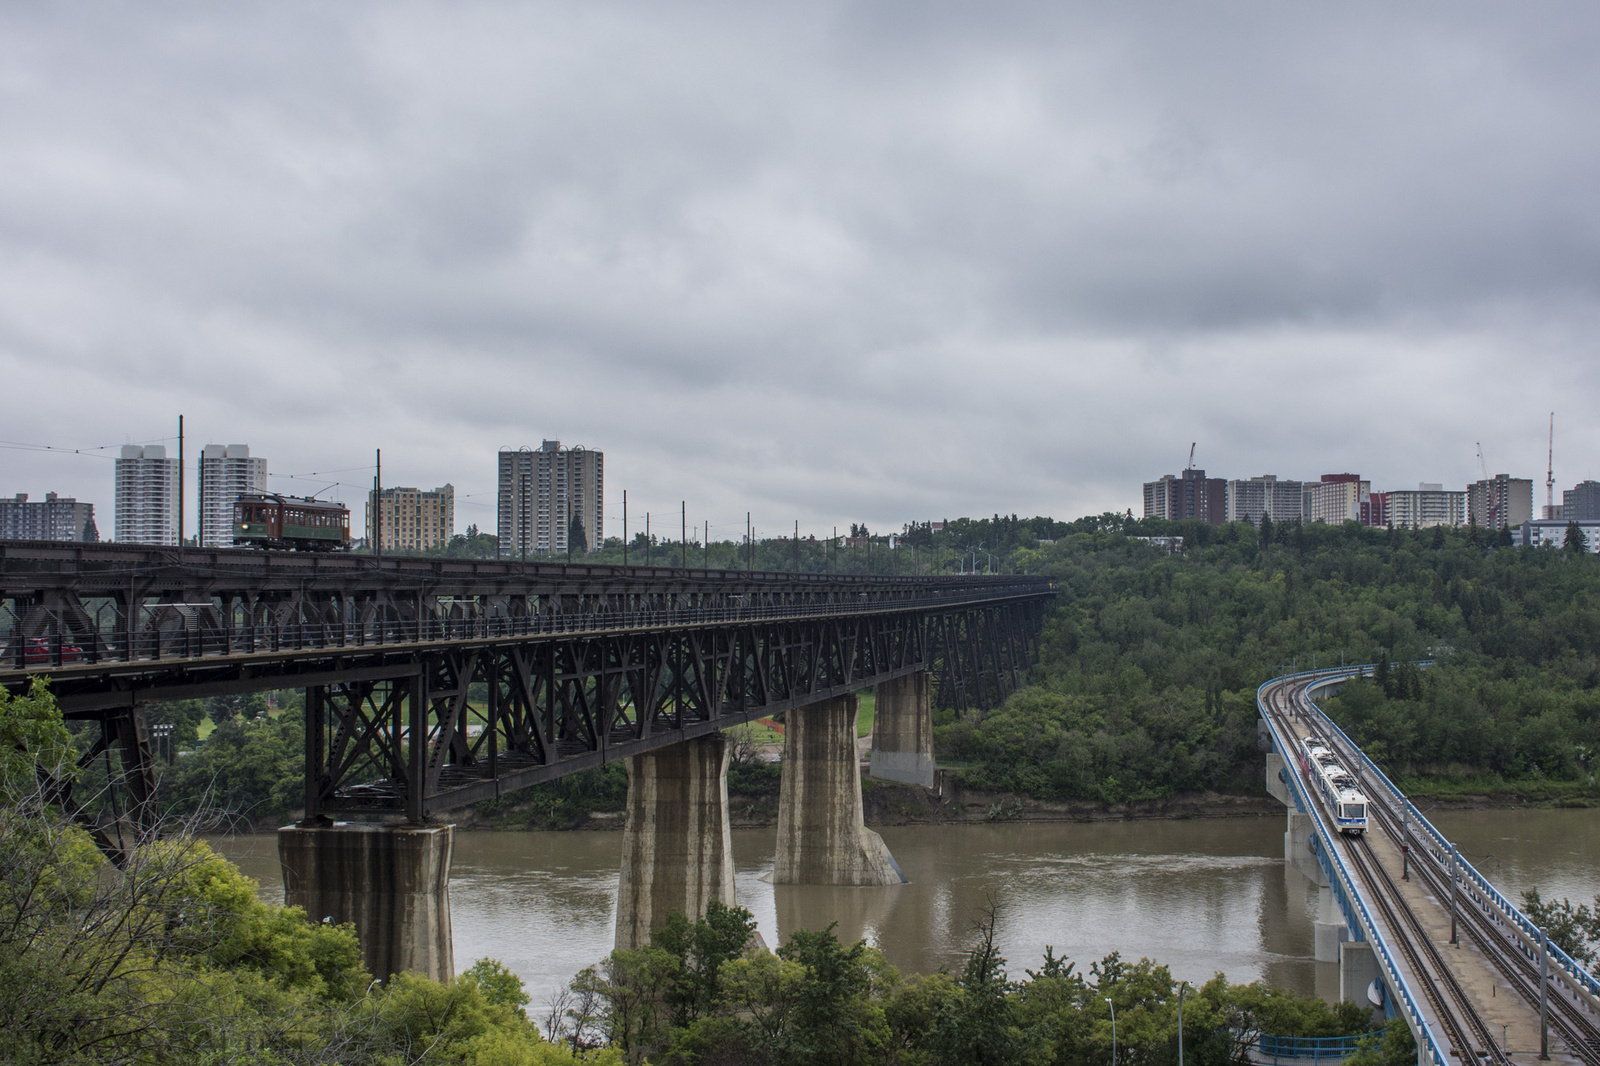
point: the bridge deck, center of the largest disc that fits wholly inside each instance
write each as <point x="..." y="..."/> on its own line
<point x="1481" y="992"/>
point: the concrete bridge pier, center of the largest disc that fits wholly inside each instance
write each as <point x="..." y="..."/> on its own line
<point x="677" y="851"/>
<point x="1329" y="928"/>
<point x="902" y="731"/>
<point x="391" y="882"/>
<point x="822" y="838"/>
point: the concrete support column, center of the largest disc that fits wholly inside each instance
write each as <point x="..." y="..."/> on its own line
<point x="677" y="851"/>
<point x="822" y="839"/>
<point x="1358" y="972"/>
<point x="1297" y="840"/>
<point x="391" y="882"/>
<point x="902" y="731"/>
<point x="1329" y="928"/>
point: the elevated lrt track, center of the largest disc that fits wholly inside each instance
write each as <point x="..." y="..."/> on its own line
<point x="1485" y="994"/>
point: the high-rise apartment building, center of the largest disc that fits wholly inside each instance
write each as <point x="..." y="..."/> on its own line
<point x="226" y="471"/>
<point x="1426" y="506"/>
<point x="1336" y="499"/>
<point x="1249" y="501"/>
<point x="412" y="520"/>
<point x="1500" y="502"/>
<point x="52" y="518"/>
<point x="541" y="493"/>
<point x="1581" y="502"/>
<point x="1193" y="495"/>
<point x="147" y="496"/>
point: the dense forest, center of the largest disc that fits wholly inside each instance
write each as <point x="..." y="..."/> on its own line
<point x="1151" y="660"/>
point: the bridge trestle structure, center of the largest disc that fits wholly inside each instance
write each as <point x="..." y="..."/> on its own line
<point x="433" y="684"/>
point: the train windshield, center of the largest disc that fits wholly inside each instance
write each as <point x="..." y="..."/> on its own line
<point x="1355" y="810"/>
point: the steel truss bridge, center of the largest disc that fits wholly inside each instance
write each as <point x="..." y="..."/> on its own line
<point x="436" y="683"/>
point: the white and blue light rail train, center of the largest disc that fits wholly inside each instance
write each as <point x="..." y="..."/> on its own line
<point x="1340" y="793"/>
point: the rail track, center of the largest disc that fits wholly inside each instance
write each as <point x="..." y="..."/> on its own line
<point x="1516" y="961"/>
<point x="1468" y="1033"/>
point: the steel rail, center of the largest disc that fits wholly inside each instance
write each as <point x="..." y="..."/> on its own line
<point x="1501" y="940"/>
<point x="1333" y="862"/>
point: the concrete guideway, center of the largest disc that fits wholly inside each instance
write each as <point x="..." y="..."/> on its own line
<point x="1476" y="999"/>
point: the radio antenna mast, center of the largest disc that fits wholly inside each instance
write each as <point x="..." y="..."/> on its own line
<point x="1550" y="473"/>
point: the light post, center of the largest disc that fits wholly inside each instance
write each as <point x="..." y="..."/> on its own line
<point x="1544" y="996"/>
<point x="1181" y="989"/>
<point x="1113" y="1007"/>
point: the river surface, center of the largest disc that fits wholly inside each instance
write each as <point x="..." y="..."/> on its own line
<point x="1199" y="895"/>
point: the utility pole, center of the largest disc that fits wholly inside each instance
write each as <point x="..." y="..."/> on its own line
<point x="647" y="552"/>
<point x="705" y="548"/>
<point x="1549" y="474"/>
<point x="1455" y="861"/>
<point x="569" y="529"/>
<point x="377" y="510"/>
<point x="797" y="545"/>
<point x="1544" y="996"/>
<point x="683" y="535"/>
<point x="749" y="545"/>
<point x="180" y="481"/>
<point x="624" y="527"/>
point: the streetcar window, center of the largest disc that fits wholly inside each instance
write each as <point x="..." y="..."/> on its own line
<point x="1355" y="810"/>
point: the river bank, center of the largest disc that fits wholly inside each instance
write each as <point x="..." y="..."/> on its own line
<point x="890" y="804"/>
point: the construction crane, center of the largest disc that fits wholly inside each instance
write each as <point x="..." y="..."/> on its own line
<point x="1191" y="455"/>
<point x="1489" y="499"/>
<point x="1550" y="473"/>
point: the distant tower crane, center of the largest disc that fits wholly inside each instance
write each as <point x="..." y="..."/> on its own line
<point x="1191" y="455"/>
<point x="1483" y="466"/>
<point x="1550" y="473"/>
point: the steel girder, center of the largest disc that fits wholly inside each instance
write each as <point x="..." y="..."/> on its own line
<point x="502" y="716"/>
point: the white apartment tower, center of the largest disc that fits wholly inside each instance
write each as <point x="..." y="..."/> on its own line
<point x="1248" y="501"/>
<point x="541" y="492"/>
<point x="1426" y="506"/>
<point x="226" y="470"/>
<point x="147" y="496"/>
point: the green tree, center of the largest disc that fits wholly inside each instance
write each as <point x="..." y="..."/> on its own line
<point x="1575" y="542"/>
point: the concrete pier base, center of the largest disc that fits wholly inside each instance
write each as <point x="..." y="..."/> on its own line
<point x="677" y="851"/>
<point x="902" y="731"/>
<point x="1297" y="840"/>
<point x="391" y="882"/>
<point x="822" y="839"/>
<point x="1329" y="928"/>
<point x="1358" y="971"/>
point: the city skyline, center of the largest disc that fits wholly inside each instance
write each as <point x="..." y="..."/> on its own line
<point x="830" y="264"/>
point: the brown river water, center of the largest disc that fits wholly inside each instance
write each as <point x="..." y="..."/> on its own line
<point x="1199" y="895"/>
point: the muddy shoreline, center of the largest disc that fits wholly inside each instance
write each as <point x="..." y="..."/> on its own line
<point x="894" y="804"/>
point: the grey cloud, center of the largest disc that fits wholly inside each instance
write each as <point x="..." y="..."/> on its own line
<point x="832" y="263"/>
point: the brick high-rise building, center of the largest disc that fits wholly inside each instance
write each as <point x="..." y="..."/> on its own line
<point x="1193" y="495"/>
<point x="1335" y="499"/>
<point x="541" y="493"/>
<point x="52" y="518"/>
<point x="1500" y="502"/>
<point x="1581" y="502"/>
<point x="412" y="520"/>
<point x="226" y="471"/>
<point x="147" y="496"/>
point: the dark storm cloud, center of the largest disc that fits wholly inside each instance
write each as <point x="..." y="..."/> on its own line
<point x="835" y="262"/>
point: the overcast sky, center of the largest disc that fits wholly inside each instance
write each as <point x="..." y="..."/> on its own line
<point x="827" y="262"/>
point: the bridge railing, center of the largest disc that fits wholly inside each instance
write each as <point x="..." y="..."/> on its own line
<point x="1301" y="1049"/>
<point x="1505" y="911"/>
<point x="1333" y="862"/>
<point x="176" y="631"/>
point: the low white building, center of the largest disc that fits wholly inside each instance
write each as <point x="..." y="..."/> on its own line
<point x="1426" y="506"/>
<point x="1553" y="532"/>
